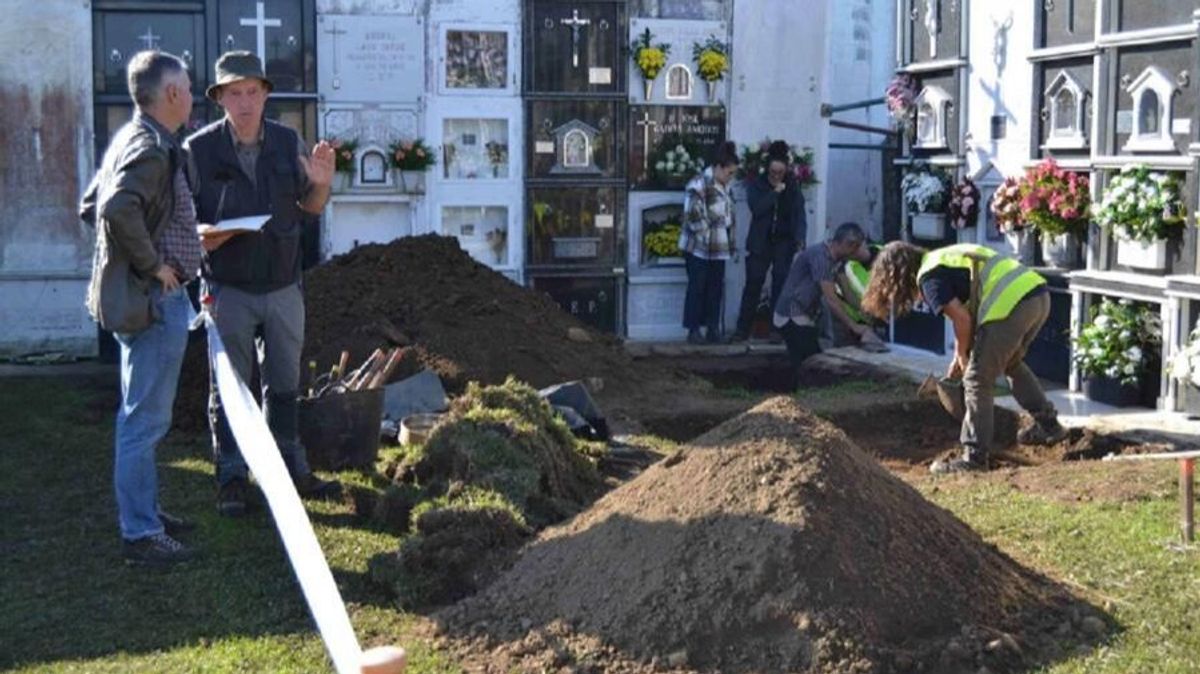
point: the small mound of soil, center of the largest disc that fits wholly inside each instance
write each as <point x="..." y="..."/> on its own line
<point x="771" y="544"/>
<point x="451" y="314"/>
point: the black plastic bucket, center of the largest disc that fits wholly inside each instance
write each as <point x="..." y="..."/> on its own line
<point x="341" y="430"/>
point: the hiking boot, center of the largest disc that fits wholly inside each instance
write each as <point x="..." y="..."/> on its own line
<point x="233" y="498"/>
<point x="157" y="550"/>
<point x="314" y="488"/>
<point x="174" y="526"/>
<point x="1046" y="432"/>
<point x="971" y="461"/>
<point x="738" y="337"/>
<point x="713" y="337"/>
<point x="694" y="337"/>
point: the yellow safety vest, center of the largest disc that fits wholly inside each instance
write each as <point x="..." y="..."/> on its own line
<point x="858" y="276"/>
<point x="998" y="282"/>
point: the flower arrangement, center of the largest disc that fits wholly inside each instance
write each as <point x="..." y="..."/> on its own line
<point x="649" y="58"/>
<point x="662" y="239"/>
<point x="498" y="241"/>
<point x="411" y="155"/>
<point x="1118" y="342"/>
<point x="497" y="153"/>
<point x="1006" y="206"/>
<point x="1141" y="205"/>
<point x="343" y="154"/>
<point x="756" y="158"/>
<point x="901" y="97"/>
<point x="1185" y="366"/>
<point x="1054" y="200"/>
<point x="963" y="209"/>
<point x="676" y="157"/>
<point x="925" y="190"/>
<point x="712" y="59"/>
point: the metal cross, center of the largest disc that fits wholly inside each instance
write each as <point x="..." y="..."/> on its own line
<point x="932" y="24"/>
<point x="335" y="32"/>
<point x="261" y="23"/>
<point x="646" y="123"/>
<point x="575" y="23"/>
<point x="150" y="39"/>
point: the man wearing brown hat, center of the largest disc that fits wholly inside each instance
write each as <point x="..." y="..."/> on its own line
<point x="246" y="165"/>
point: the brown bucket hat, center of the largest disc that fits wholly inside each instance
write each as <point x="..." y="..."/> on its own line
<point x="235" y="66"/>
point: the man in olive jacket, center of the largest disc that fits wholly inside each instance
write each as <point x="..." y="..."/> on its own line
<point x="146" y="251"/>
<point x="778" y="227"/>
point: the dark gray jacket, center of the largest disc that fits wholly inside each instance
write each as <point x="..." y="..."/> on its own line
<point x="765" y="206"/>
<point x="129" y="202"/>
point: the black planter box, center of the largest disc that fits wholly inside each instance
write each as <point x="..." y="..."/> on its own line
<point x="1113" y="392"/>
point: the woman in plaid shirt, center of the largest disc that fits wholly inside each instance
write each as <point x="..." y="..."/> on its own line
<point x="707" y="242"/>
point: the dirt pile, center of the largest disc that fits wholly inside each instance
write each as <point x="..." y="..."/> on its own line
<point x="500" y="466"/>
<point x="454" y="315"/>
<point x="770" y="544"/>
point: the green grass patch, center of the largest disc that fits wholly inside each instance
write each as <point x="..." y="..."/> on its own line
<point x="1122" y="557"/>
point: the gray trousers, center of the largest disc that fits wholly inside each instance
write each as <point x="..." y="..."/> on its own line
<point x="267" y="329"/>
<point x="1000" y="348"/>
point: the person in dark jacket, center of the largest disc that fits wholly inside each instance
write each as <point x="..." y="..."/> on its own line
<point x="246" y="165"/>
<point x="778" y="227"/>
<point x="146" y="251"/>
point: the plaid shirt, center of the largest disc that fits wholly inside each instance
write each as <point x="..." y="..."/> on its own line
<point x="707" y="219"/>
<point x="180" y="244"/>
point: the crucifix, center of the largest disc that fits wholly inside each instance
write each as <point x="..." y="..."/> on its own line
<point x="932" y="24"/>
<point x="575" y="24"/>
<point x="335" y="32"/>
<point x="646" y="123"/>
<point x="150" y="38"/>
<point x="261" y="23"/>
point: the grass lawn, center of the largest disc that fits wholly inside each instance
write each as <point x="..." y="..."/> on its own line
<point x="68" y="603"/>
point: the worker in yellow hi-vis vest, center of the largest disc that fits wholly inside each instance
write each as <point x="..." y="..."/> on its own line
<point x="997" y="307"/>
<point x="852" y="280"/>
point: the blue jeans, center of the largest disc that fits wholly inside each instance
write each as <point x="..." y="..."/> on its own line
<point x="706" y="285"/>
<point x="150" y="363"/>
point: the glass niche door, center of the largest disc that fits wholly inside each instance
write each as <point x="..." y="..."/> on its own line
<point x="482" y="231"/>
<point x="476" y="148"/>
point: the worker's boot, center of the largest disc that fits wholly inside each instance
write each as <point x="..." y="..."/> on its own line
<point x="1045" y="431"/>
<point x="972" y="460"/>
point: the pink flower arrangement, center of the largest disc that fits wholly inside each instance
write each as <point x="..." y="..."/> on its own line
<point x="963" y="209"/>
<point x="901" y="97"/>
<point x="1006" y="206"/>
<point x="410" y="155"/>
<point x="1054" y="200"/>
<point x="343" y="154"/>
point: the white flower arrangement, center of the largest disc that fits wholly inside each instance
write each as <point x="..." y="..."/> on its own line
<point x="678" y="161"/>
<point x="1118" y="342"/>
<point x="925" y="191"/>
<point x="1141" y="205"/>
<point x="1185" y="366"/>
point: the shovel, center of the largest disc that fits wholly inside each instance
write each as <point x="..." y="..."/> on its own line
<point x="949" y="393"/>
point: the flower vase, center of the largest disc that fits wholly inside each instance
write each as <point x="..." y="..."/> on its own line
<point x="712" y="91"/>
<point x="648" y="88"/>
<point x="1142" y="255"/>
<point x="1190" y="400"/>
<point x="414" y="181"/>
<point x="341" y="181"/>
<point x="1060" y="251"/>
<point x="1111" y="391"/>
<point x="1024" y="245"/>
<point x="929" y="226"/>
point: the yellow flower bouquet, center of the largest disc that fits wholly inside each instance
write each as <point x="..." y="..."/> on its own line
<point x="649" y="58"/>
<point x="712" y="57"/>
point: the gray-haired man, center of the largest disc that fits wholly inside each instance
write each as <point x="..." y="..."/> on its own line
<point x="146" y="251"/>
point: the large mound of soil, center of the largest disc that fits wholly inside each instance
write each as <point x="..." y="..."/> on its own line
<point x="771" y="544"/>
<point x="454" y="315"/>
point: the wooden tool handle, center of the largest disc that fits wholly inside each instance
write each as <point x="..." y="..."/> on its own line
<point x="343" y="362"/>
<point x="387" y="369"/>
<point x="364" y="372"/>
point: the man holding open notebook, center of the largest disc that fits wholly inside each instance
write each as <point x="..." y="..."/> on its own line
<point x="255" y="183"/>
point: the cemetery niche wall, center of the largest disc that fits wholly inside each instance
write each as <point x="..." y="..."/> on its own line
<point x="575" y="73"/>
<point x="676" y="121"/>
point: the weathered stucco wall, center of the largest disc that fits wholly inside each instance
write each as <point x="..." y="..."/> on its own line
<point x="46" y="134"/>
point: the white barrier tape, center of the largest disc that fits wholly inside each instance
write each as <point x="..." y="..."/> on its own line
<point x="258" y="448"/>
